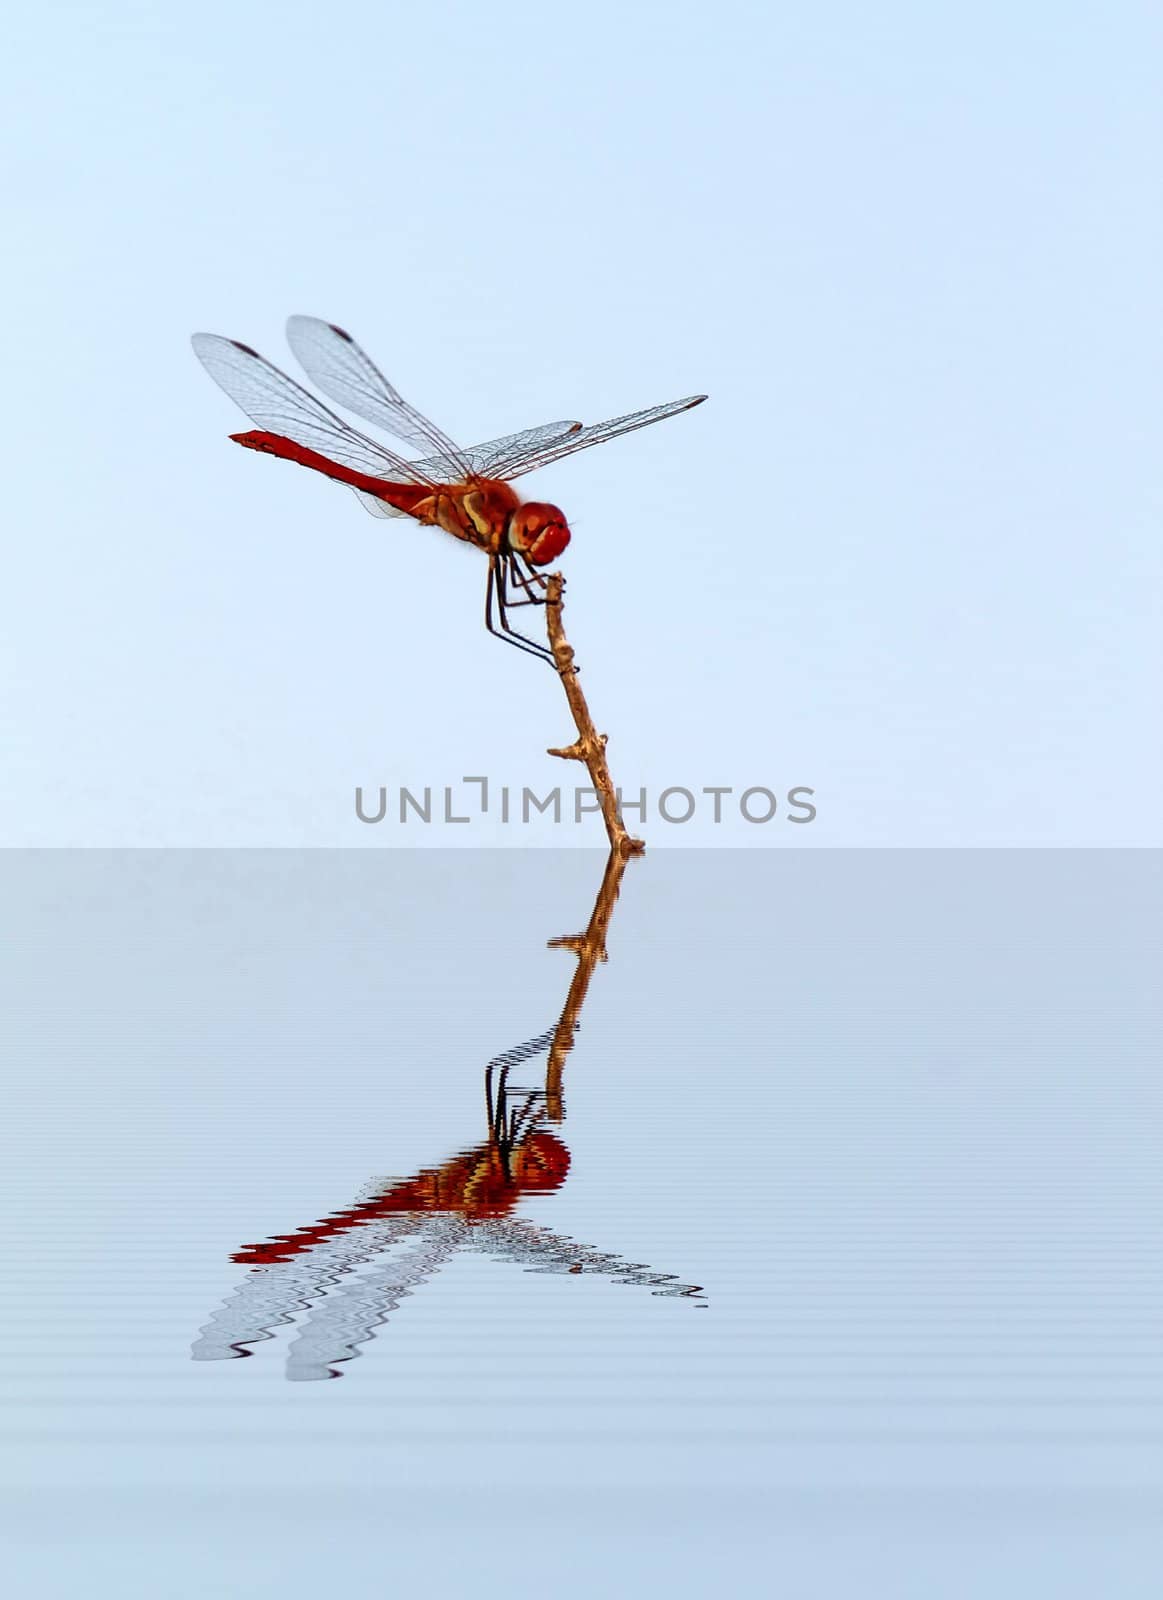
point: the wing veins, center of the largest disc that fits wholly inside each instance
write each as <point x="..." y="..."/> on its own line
<point x="336" y="364"/>
<point x="277" y="404"/>
<point x="598" y="433"/>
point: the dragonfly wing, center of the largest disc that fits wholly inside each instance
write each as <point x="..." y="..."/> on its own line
<point x="541" y="454"/>
<point x="490" y="460"/>
<point x="495" y="459"/>
<point x="331" y="359"/>
<point x="377" y="507"/>
<point x="281" y="406"/>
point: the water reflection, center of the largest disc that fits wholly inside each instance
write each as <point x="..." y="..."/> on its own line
<point x="340" y="1278"/>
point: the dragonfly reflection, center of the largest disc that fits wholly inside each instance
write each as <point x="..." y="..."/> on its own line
<point x="345" y="1274"/>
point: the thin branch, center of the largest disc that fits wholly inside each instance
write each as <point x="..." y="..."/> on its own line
<point x="590" y="948"/>
<point x="589" y="746"/>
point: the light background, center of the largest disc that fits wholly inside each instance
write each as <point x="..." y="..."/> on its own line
<point x="907" y="554"/>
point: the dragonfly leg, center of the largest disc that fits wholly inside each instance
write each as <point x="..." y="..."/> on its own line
<point x="496" y="602"/>
<point x="519" y="1119"/>
<point x="527" y="578"/>
<point x="496" y="1102"/>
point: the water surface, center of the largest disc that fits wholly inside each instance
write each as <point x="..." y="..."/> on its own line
<point x="362" y="1232"/>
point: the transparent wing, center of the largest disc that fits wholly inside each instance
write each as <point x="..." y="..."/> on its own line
<point x="281" y="406"/>
<point x="490" y="460"/>
<point x="495" y="459"/>
<point x="335" y="363"/>
<point x="540" y="455"/>
<point x="351" y="1315"/>
<point x="377" y="507"/>
<point x="538" y="1250"/>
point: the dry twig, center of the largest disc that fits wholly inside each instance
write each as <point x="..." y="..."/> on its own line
<point x="589" y="746"/>
<point x="590" y="948"/>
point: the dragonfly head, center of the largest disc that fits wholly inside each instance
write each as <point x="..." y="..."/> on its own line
<point x="538" y="532"/>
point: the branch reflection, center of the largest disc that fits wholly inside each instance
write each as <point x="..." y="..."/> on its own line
<point x="342" y="1277"/>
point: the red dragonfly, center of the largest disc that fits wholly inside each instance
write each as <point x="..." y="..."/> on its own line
<point x="465" y="492"/>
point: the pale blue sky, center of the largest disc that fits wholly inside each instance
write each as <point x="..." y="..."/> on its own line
<point x="907" y="554"/>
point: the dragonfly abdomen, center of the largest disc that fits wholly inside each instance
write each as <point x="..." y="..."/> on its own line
<point x="405" y="497"/>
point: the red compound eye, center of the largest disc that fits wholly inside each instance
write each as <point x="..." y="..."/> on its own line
<point x="548" y="544"/>
<point x="538" y="532"/>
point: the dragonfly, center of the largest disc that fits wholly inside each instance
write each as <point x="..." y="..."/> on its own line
<point x="342" y="1277"/>
<point x="466" y="492"/>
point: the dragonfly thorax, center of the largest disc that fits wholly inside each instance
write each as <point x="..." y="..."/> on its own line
<point x="539" y="532"/>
